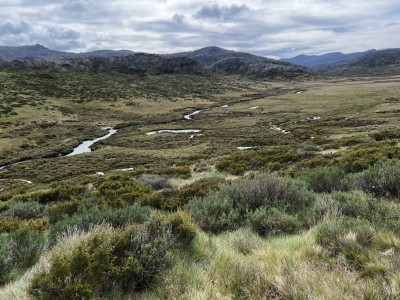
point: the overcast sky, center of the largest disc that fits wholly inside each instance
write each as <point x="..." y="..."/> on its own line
<point x="277" y="28"/>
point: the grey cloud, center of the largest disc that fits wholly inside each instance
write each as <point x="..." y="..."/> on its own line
<point x="15" y="28"/>
<point x="62" y="33"/>
<point x="178" y="18"/>
<point x="163" y="26"/>
<point x="221" y="12"/>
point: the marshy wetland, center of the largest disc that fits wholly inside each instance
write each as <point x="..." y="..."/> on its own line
<point x="292" y="184"/>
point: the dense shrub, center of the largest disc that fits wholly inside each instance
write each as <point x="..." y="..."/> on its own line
<point x="272" y="221"/>
<point x="24" y="210"/>
<point x="85" y="218"/>
<point x="120" y="190"/>
<point x="379" y="212"/>
<point x="230" y="207"/>
<point x="355" y="205"/>
<point x="382" y="179"/>
<point x="215" y="213"/>
<point x="326" y="179"/>
<point x="272" y="159"/>
<point x="172" y="199"/>
<point x="157" y="182"/>
<point x="361" y="157"/>
<point x="385" y="135"/>
<point x="19" y="250"/>
<point x="61" y="193"/>
<point x="57" y="211"/>
<point x="182" y="227"/>
<point x="269" y="190"/>
<point x="4" y="206"/>
<point x="12" y="224"/>
<point x="127" y="259"/>
<point x="164" y="199"/>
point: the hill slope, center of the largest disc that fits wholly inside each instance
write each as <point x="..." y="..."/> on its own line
<point x="232" y="62"/>
<point x="381" y="62"/>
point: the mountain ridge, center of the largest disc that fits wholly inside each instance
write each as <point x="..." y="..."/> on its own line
<point x="209" y="59"/>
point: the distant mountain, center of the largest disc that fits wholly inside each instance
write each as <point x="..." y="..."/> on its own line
<point x="209" y="59"/>
<point x="106" y="53"/>
<point x="35" y="52"/>
<point x="373" y="63"/>
<point x="322" y="61"/>
<point x="232" y="62"/>
<point x="39" y="52"/>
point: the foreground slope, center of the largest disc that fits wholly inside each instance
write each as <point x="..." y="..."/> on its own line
<point x="212" y="187"/>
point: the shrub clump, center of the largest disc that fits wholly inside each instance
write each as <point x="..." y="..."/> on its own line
<point x="272" y="221"/>
<point x="157" y="182"/>
<point x="85" y="218"/>
<point x="172" y="199"/>
<point x="381" y="180"/>
<point x="215" y="213"/>
<point x="124" y="259"/>
<point x="24" y="210"/>
<point x="59" y="210"/>
<point x="19" y="251"/>
<point x="234" y="204"/>
<point x="127" y="259"/>
<point x="326" y="179"/>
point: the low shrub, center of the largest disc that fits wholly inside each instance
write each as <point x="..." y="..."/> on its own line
<point x="231" y="206"/>
<point x="157" y="182"/>
<point x="164" y="199"/>
<point x="85" y="218"/>
<point x="381" y="180"/>
<point x="355" y="205"/>
<point x="326" y="179"/>
<point x="215" y="213"/>
<point x="269" y="190"/>
<point x="127" y="259"/>
<point x="182" y="227"/>
<point x="24" y="210"/>
<point x="19" y="251"/>
<point x="59" y="210"/>
<point x="61" y="193"/>
<point x="385" y="135"/>
<point x="4" y="206"/>
<point x="363" y="156"/>
<point x="120" y="190"/>
<point x="12" y="224"/>
<point x="172" y="199"/>
<point x="272" y="221"/>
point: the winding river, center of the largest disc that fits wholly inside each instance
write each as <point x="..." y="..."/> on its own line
<point x="174" y="131"/>
<point x="189" y="116"/>
<point x="84" y="147"/>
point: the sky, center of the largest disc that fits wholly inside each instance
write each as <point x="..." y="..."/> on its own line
<point x="274" y="28"/>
